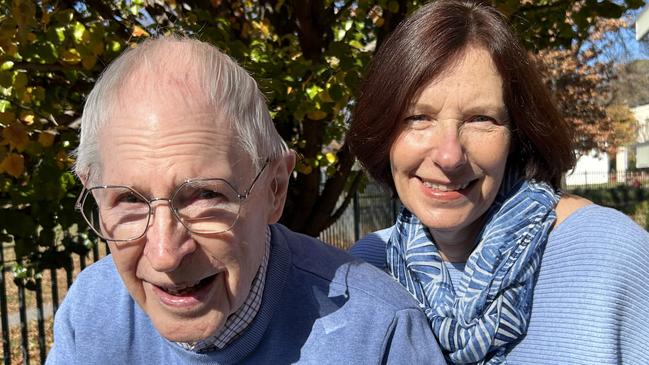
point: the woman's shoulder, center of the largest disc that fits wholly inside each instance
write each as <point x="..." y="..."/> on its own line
<point x="579" y="216"/>
<point x="371" y="248"/>
<point x="591" y="287"/>
<point x="593" y="233"/>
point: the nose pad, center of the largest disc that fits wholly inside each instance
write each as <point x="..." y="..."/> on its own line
<point x="167" y="241"/>
<point x="449" y="152"/>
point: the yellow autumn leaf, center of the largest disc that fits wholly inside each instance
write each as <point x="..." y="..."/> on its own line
<point x="139" y="31"/>
<point x="324" y="96"/>
<point x="46" y="139"/>
<point x="13" y="164"/>
<point x="303" y="168"/>
<point x="63" y="160"/>
<point x="331" y="157"/>
<point x="70" y="56"/>
<point x="316" y="115"/>
<point x="16" y="136"/>
<point x="27" y="117"/>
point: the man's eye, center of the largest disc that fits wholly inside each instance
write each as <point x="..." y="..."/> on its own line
<point x="129" y="198"/>
<point x="208" y="194"/>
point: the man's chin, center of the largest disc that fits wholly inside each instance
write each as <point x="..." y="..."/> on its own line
<point x="187" y="330"/>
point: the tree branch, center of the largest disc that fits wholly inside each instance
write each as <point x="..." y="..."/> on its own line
<point x="107" y="13"/>
<point x="358" y="177"/>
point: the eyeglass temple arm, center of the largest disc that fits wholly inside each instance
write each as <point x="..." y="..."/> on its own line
<point x="77" y="205"/>
<point x="245" y="195"/>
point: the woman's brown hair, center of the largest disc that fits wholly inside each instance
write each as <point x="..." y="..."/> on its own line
<point x="427" y="44"/>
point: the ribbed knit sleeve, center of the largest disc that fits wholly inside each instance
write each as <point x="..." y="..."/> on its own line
<point x="591" y="299"/>
<point x="371" y="248"/>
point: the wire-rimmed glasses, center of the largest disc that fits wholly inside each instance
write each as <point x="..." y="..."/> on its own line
<point x="204" y="206"/>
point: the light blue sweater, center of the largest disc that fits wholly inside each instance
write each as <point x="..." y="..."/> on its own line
<point x="591" y="297"/>
<point x="320" y="306"/>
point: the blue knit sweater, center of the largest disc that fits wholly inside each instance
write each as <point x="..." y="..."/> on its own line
<point x="591" y="296"/>
<point x="320" y="306"/>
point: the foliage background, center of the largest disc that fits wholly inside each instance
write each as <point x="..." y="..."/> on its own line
<point x="308" y="57"/>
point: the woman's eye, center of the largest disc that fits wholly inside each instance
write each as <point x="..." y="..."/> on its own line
<point x="483" y="119"/>
<point x="419" y="121"/>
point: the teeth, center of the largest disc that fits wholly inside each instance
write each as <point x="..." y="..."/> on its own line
<point x="447" y="187"/>
<point x="179" y="290"/>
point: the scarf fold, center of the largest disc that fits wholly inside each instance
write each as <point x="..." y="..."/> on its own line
<point x="490" y="308"/>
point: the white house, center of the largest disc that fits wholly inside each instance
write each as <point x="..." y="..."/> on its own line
<point x="642" y="24"/>
<point x="642" y="143"/>
<point x="591" y="168"/>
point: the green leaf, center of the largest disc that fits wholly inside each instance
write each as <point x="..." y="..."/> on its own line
<point x="79" y="32"/>
<point x="6" y="78"/>
<point x="313" y="91"/>
<point x="7" y="65"/>
<point x="356" y="44"/>
<point x="20" y="82"/>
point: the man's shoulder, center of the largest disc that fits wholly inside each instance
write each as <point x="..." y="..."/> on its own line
<point x="331" y="266"/>
<point x="99" y="277"/>
<point x="99" y="287"/>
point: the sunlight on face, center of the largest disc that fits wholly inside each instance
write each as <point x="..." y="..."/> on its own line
<point x="188" y="284"/>
<point x="449" y="158"/>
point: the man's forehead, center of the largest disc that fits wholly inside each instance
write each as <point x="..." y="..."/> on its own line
<point x="186" y="145"/>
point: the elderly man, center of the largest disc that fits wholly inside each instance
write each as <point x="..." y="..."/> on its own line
<point x="185" y="177"/>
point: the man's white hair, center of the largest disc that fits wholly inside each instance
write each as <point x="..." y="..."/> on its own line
<point x="225" y="85"/>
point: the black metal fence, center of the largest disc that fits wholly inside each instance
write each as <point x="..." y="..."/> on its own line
<point x="605" y="179"/>
<point x="27" y="314"/>
<point x="370" y="210"/>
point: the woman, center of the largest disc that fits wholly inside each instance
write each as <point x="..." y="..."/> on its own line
<point x="454" y="118"/>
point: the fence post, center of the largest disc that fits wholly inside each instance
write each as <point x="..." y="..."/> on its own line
<point x="6" y="345"/>
<point x="95" y="251"/>
<point x="357" y="217"/>
<point x="55" y="291"/>
<point x="40" y="316"/>
<point x="22" y="308"/>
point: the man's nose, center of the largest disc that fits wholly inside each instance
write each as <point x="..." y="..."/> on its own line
<point x="167" y="240"/>
<point x="448" y="151"/>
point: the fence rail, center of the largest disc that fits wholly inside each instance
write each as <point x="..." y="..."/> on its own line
<point x="605" y="179"/>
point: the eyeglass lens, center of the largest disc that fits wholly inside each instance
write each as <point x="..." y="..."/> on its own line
<point x="120" y="213"/>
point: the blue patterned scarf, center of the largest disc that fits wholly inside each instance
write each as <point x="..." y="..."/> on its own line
<point x="491" y="307"/>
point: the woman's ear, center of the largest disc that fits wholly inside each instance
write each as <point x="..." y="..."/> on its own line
<point x="281" y="170"/>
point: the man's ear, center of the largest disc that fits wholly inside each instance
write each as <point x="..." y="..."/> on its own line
<point x="84" y="179"/>
<point x="281" y="170"/>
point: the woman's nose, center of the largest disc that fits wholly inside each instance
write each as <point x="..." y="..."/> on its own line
<point x="448" y="152"/>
